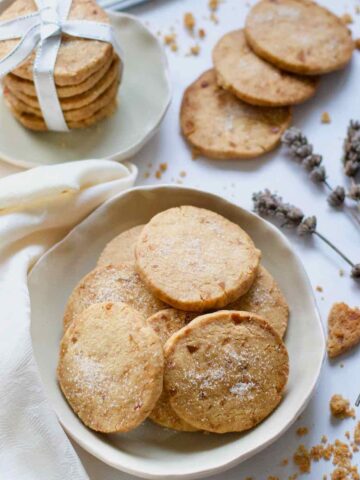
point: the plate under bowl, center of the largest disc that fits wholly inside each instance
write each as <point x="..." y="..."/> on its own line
<point x="151" y="451"/>
<point x="143" y="98"/>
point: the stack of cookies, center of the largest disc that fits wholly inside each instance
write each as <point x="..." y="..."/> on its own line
<point x="179" y="323"/>
<point x="87" y="73"/>
<point x="241" y="107"/>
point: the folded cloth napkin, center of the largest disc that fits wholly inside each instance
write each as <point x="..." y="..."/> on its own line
<point x="37" y="209"/>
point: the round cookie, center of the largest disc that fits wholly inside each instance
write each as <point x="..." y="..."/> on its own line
<point x="266" y="300"/>
<point x="121" y="248"/>
<point x="195" y="259"/>
<point x="76" y="115"/>
<point x="111" y="283"/>
<point x="165" y="324"/>
<point x="71" y="103"/>
<point x="299" y="36"/>
<point x="225" y="371"/>
<point x="111" y="367"/>
<point x="255" y="81"/>
<point x="77" y="58"/>
<point x="28" y="88"/>
<point x="219" y="125"/>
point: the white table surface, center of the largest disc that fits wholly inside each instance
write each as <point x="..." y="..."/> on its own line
<point x="339" y="94"/>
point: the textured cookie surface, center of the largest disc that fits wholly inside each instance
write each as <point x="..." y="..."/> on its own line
<point x="344" y="329"/>
<point x="71" y="103"/>
<point x="78" y="58"/>
<point x="219" y="125"/>
<point x="33" y="122"/>
<point x="254" y="80"/>
<point x="225" y="371"/>
<point x="28" y="87"/>
<point x="194" y="259"/>
<point x="110" y="283"/>
<point x="111" y="367"/>
<point x="266" y="300"/>
<point x="76" y="115"/>
<point x="121" y="248"/>
<point x="299" y="36"/>
<point x="166" y="323"/>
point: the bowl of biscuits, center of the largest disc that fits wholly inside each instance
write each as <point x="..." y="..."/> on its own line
<point x="181" y="335"/>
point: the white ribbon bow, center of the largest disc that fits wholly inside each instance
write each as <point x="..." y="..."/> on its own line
<point x="43" y="30"/>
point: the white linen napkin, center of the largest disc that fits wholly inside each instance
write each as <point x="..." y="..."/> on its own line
<point x="37" y="209"/>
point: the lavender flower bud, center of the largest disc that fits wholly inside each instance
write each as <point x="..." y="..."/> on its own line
<point x="351" y="168"/>
<point x="265" y="203"/>
<point x="318" y="174"/>
<point x="307" y="226"/>
<point x="302" y="151"/>
<point x="312" y="161"/>
<point x="295" y="215"/>
<point x="355" y="271"/>
<point x="354" y="192"/>
<point x="336" y="197"/>
<point x="292" y="135"/>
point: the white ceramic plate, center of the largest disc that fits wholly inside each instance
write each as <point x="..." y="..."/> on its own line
<point x="144" y="97"/>
<point x="151" y="451"/>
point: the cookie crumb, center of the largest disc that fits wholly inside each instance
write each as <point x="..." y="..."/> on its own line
<point x="213" y="5"/>
<point x="189" y="21"/>
<point x="341" y="272"/>
<point x="302" y="459"/>
<point x="214" y="18"/>
<point x="272" y="478"/>
<point x="357" y="9"/>
<point x="183" y="173"/>
<point x="340" y="407"/>
<point x="347" y="18"/>
<point x="343" y="329"/>
<point x="325" y="117"/>
<point x="163" y="167"/>
<point x="302" y="431"/>
<point x="195" y="50"/>
<point x="324" y="439"/>
<point x="319" y="288"/>
<point x="284" y="462"/>
<point x="202" y="33"/>
<point x="146" y="175"/>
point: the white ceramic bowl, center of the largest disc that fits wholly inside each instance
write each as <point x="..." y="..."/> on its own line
<point x="151" y="451"/>
<point x="144" y="97"/>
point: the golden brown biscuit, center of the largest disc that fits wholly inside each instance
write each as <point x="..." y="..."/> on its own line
<point x="265" y="299"/>
<point x="344" y="329"/>
<point x="165" y="323"/>
<point x="219" y="125"/>
<point x="78" y="58"/>
<point x="225" y="371"/>
<point x="299" y="36"/>
<point x="111" y="367"/>
<point x="111" y="283"/>
<point x="28" y="87"/>
<point x="33" y="122"/>
<point x="255" y="81"/>
<point x="76" y="115"/>
<point x="121" y="248"/>
<point x="70" y="103"/>
<point x="195" y="259"/>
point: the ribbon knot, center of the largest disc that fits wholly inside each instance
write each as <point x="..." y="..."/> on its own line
<point x="50" y="23"/>
<point x="41" y="31"/>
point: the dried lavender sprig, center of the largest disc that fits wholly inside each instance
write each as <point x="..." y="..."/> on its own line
<point x="351" y="149"/>
<point x="302" y="150"/>
<point x="270" y="204"/>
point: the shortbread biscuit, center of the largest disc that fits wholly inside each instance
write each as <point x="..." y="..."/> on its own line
<point x="33" y="122"/>
<point x="77" y="58"/>
<point x="111" y="283"/>
<point x="165" y="323"/>
<point x="225" y="371"/>
<point x="28" y="87"/>
<point x="299" y="36"/>
<point x="266" y="300"/>
<point x="344" y="329"/>
<point x="121" y="248"/>
<point x="76" y="115"/>
<point x="219" y="125"/>
<point x="71" y="103"/>
<point x="195" y="260"/>
<point x="255" y="81"/>
<point x="111" y="367"/>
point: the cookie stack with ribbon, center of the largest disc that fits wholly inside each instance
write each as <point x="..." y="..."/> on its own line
<point x="178" y="323"/>
<point x="240" y="108"/>
<point x="60" y="63"/>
